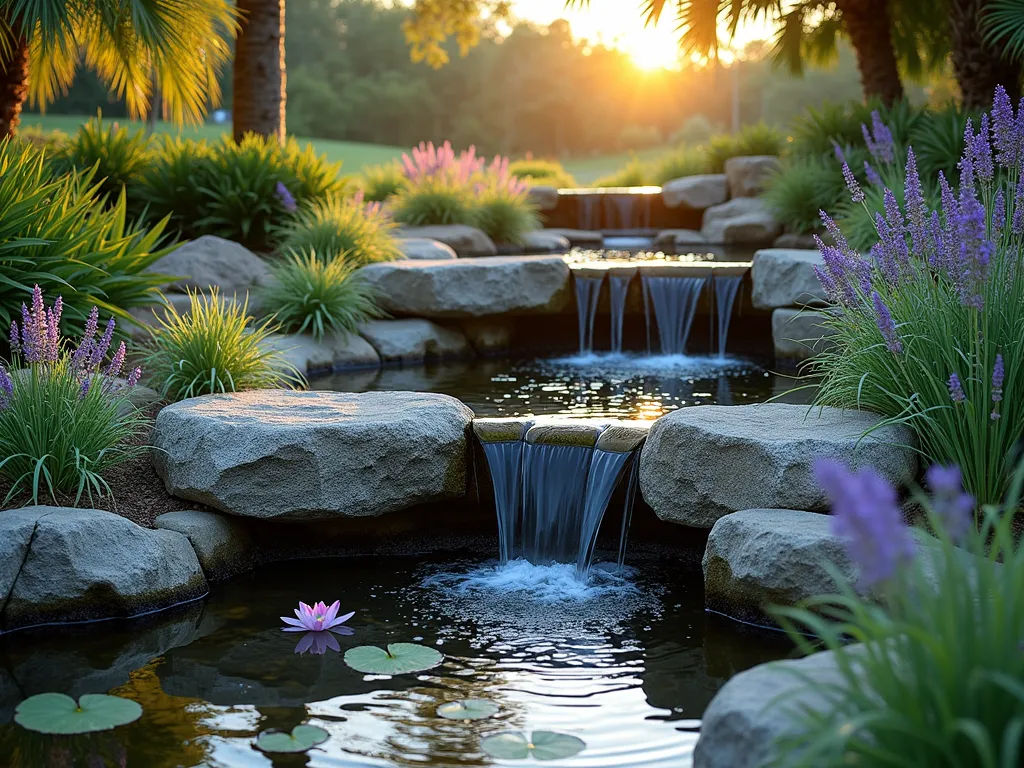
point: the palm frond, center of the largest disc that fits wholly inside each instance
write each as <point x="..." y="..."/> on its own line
<point x="1003" y="23"/>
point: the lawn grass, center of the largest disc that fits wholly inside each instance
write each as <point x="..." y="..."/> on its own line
<point x="586" y="170"/>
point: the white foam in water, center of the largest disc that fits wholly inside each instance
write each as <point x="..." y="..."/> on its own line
<point x="635" y="364"/>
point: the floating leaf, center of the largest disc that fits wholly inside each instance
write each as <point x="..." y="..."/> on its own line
<point x="302" y="738"/>
<point x="542" y="745"/>
<point x="57" y="713"/>
<point x="468" y="709"/>
<point x="398" y="659"/>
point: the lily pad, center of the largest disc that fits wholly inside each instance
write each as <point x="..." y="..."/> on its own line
<point x="60" y="714"/>
<point x="301" y="739"/>
<point x="542" y="745"/>
<point x="398" y="659"/>
<point x="468" y="709"/>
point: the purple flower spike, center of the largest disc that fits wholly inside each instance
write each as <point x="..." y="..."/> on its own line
<point x="856" y="193"/>
<point x="868" y="519"/>
<point x="886" y="324"/>
<point x="998" y="374"/>
<point x="838" y="151"/>
<point x="981" y="153"/>
<point x="1017" y="223"/>
<point x="956" y="389"/>
<point x="1005" y="133"/>
<point x="316" y="618"/>
<point x="285" y="197"/>
<point x="117" y="362"/>
<point x="15" y="339"/>
<point x="879" y="140"/>
<point x="134" y="376"/>
<point x="872" y="175"/>
<point x="951" y="505"/>
<point x="83" y="391"/>
<point x="998" y="212"/>
<point x="6" y="388"/>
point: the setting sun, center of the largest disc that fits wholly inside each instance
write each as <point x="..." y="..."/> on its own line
<point x="651" y="51"/>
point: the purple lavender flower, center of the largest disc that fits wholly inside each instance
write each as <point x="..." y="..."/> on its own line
<point x="1017" y="223"/>
<point x="966" y="164"/>
<point x="285" y="197"/>
<point x="872" y="175"/>
<point x="38" y="345"/>
<point x="998" y="373"/>
<point x="951" y="505"/>
<point x="838" y="152"/>
<point x="133" y="377"/>
<point x="879" y="140"/>
<point x="1005" y="133"/>
<point x="956" y="389"/>
<point x="981" y="153"/>
<point x="117" y="362"/>
<point x="83" y="390"/>
<point x="998" y="212"/>
<point x="972" y="254"/>
<point x="82" y="357"/>
<point x="6" y="388"/>
<point x="856" y="193"/>
<point x="886" y="325"/>
<point x="868" y="519"/>
<point x="99" y="349"/>
<point x="14" y="339"/>
<point x="917" y="209"/>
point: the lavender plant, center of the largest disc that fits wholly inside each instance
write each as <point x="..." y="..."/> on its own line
<point x="65" y="417"/>
<point x="928" y="326"/>
<point x="935" y="677"/>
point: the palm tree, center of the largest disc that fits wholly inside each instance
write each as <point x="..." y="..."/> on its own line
<point x="258" y="81"/>
<point x="127" y="42"/>
<point x="987" y="37"/>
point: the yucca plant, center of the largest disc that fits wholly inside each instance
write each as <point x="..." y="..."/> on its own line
<point x="214" y="349"/>
<point x="336" y="228"/>
<point x="56" y="233"/>
<point x="117" y="154"/>
<point x="318" y="296"/>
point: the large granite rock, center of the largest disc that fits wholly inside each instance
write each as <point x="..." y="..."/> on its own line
<point x="211" y="261"/>
<point x="61" y="564"/>
<point x="330" y="353"/>
<point x="799" y="334"/>
<point x="278" y="454"/>
<point x="761" y="557"/>
<point x="462" y="238"/>
<point x="221" y="543"/>
<point x="786" y="278"/>
<point x="543" y="196"/>
<point x="741" y="221"/>
<point x="748" y="175"/>
<point x="756" y="708"/>
<point x="419" y="248"/>
<point x="544" y="241"/>
<point x="472" y="287"/>
<point x="413" y="340"/>
<point x="704" y="462"/>
<point x="698" y="192"/>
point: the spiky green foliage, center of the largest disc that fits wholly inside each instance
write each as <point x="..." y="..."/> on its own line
<point x="542" y="172"/>
<point x="633" y="174"/>
<point x="938" y="138"/>
<point x="57" y="233"/>
<point x="183" y="43"/>
<point x="169" y="184"/>
<point x="755" y="139"/>
<point x="683" y="161"/>
<point x="819" y="129"/>
<point x="802" y="189"/>
<point x="213" y="349"/>
<point x="336" y="228"/>
<point x="380" y="182"/>
<point x="505" y="216"/>
<point x="1003" y="22"/>
<point x="318" y="295"/>
<point x="117" y="154"/>
<point x="433" y="201"/>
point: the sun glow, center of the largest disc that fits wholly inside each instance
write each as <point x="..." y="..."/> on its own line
<point x="652" y="53"/>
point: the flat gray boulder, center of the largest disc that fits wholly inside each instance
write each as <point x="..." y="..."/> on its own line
<point x="749" y="174"/>
<point x="213" y="262"/>
<point x="799" y="334"/>
<point x="543" y="196"/>
<point x="222" y="543"/>
<point x="418" y="248"/>
<point x="62" y="564"/>
<point x="785" y="277"/>
<point x="413" y="340"/>
<point x="741" y="221"/>
<point x="461" y="238"/>
<point x="705" y="462"/>
<point x="329" y="353"/>
<point x="472" y="287"/>
<point x="698" y="192"/>
<point x="278" y="454"/>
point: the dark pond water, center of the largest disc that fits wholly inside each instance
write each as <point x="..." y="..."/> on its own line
<point x="629" y="670"/>
<point x="629" y="386"/>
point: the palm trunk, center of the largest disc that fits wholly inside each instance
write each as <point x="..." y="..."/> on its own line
<point x="979" y="68"/>
<point x="868" y="24"/>
<point x="259" y="75"/>
<point x="13" y="84"/>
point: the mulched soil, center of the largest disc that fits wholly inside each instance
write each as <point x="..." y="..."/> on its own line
<point x="138" y="493"/>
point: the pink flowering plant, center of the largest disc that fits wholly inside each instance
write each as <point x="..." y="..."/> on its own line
<point x="927" y="635"/>
<point x="928" y="325"/>
<point x="65" y="415"/>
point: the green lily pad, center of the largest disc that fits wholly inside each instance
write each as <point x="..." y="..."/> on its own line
<point x="60" y="714"/>
<point x="468" y="709"/>
<point x="398" y="659"/>
<point x="542" y="745"/>
<point x="302" y="738"/>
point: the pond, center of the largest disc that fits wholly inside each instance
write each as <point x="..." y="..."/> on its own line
<point x="629" y="670"/>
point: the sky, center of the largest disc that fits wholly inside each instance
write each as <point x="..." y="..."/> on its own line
<point x="621" y="25"/>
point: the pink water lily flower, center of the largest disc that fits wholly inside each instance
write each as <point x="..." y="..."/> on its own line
<point x="316" y="618"/>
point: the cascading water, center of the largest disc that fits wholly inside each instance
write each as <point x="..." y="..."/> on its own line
<point x="618" y="288"/>
<point x="726" y="287"/>
<point x="589" y="206"/>
<point x="675" y="304"/>
<point x="554" y="496"/>
<point x="588" y="289"/>
<point x="605" y="469"/>
<point x="624" y="208"/>
<point x="505" y="460"/>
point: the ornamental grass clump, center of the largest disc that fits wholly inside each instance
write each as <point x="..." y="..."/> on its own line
<point x="213" y="349"/>
<point x="341" y="228"/>
<point x="503" y="207"/>
<point x="65" y="417"/>
<point x="935" y="675"/>
<point x="928" y="326"/>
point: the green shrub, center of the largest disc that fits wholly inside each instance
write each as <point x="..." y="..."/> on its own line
<point x="505" y="215"/>
<point x="320" y="296"/>
<point x="171" y="184"/>
<point x="334" y="227"/>
<point x="802" y="189"/>
<point x="118" y="155"/>
<point x="213" y="349"/>
<point x="380" y="182"/>
<point x="434" y="201"/>
<point x="57" y="233"/>
<point x="697" y="129"/>
<point x="684" y="161"/>
<point x="938" y="138"/>
<point x="542" y="172"/>
<point x="935" y="677"/>
<point x="35" y="136"/>
<point x="633" y="174"/>
<point x="755" y="139"/>
<point x="63" y="419"/>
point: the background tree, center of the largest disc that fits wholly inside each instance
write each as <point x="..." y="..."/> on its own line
<point x="258" y="81"/>
<point x="126" y="42"/>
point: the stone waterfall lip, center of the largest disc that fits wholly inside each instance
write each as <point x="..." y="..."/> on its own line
<point x="570" y="432"/>
<point x="623" y="436"/>
<point x="615" y="436"/>
<point x="501" y="430"/>
<point x="659" y="268"/>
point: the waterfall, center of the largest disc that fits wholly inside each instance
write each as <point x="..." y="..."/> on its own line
<point x="675" y="305"/>
<point x="554" y="494"/>
<point x="726" y="288"/>
<point x="605" y="469"/>
<point x="505" y="460"/>
<point x="588" y="289"/>
<point x="588" y="211"/>
<point x="624" y="208"/>
<point x="618" y="287"/>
